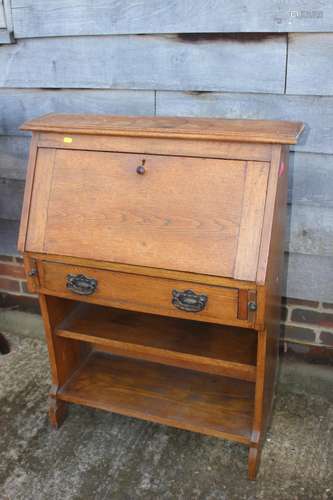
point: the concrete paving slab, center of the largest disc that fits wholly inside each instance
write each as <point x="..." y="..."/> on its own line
<point x="99" y="455"/>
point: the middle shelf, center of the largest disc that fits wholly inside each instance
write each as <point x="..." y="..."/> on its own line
<point x="205" y="347"/>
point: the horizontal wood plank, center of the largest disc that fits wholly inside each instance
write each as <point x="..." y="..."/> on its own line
<point x="310" y="230"/>
<point x="38" y="18"/>
<point x="146" y="62"/>
<point x="310" y="68"/>
<point x="5" y="37"/>
<point x="308" y="277"/>
<point x="182" y="343"/>
<point x="2" y="15"/>
<point x="200" y="402"/>
<point x="311" y="179"/>
<point x="11" y="197"/>
<point x="318" y="132"/>
<point x="8" y="237"/>
<point x="19" y="106"/>
<point x="13" y="157"/>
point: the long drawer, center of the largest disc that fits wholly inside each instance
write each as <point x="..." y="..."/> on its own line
<point x="167" y="297"/>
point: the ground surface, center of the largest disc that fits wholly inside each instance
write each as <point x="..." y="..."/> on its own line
<point x="96" y="455"/>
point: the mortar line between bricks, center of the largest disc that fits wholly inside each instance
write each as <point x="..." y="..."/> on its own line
<point x="18" y="294"/>
<point x="320" y="307"/>
<point x="310" y="326"/>
<point x="300" y="342"/>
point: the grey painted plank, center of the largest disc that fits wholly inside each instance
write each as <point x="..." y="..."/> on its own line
<point x="147" y="62"/>
<point x="2" y="15"/>
<point x="5" y="37"/>
<point x="310" y="230"/>
<point x="17" y="106"/>
<point x="38" y="18"/>
<point x="8" y="237"/>
<point x="13" y="157"/>
<point x="310" y="179"/>
<point x="315" y="112"/>
<point x="308" y="277"/>
<point x="8" y="15"/>
<point x="11" y="198"/>
<point x="310" y="67"/>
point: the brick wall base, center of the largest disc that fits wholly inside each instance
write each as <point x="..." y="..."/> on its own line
<point x="13" y="286"/>
<point x="306" y="326"/>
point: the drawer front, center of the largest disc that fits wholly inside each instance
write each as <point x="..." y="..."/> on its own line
<point x="200" y="215"/>
<point x="162" y="296"/>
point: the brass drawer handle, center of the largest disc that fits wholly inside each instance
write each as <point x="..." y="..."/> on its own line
<point x="189" y="301"/>
<point x="80" y="284"/>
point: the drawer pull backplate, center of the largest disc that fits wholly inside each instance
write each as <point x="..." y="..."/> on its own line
<point x="189" y="300"/>
<point x="80" y="284"/>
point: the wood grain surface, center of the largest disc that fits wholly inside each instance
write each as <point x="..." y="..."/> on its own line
<point x="211" y="404"/>
<point x="223" y="350"/>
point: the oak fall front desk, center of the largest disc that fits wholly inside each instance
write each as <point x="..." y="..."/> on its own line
<point x="155" y="245"/>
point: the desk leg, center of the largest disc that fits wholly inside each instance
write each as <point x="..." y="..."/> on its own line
<point x="253" y="462"/>
<point x="57" y="412"/>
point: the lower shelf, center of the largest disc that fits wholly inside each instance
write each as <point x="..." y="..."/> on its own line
<point x="216" y="349"/>
<point x="195" y="401"/>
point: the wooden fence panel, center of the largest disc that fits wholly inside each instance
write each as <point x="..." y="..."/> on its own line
<point x="311" y="179"/>
<point x="310" y="230"/>
<point x="11" y="197"/>
<point x="310" y="64"/>
<point x="20" y="105"/>
<point x="308" y="277"/>
<point x="40" y="18"/>
<point x="13" y="157"/>
<point x="2" y="16"/>
<point x="181" y="62"/>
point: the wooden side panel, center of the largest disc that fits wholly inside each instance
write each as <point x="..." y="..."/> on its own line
<point x="251" y="221"/>
<point x="268" y="223"/>
<point x="270" y="295"/>
<point x="27" y="194"/>
<point x="64" y="355"/>
<point x="40" y="200"/>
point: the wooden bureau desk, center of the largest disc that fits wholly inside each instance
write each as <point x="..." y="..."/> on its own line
<point x="155" y="245"/>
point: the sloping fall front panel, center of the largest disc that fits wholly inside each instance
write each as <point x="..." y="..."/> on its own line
<point x="189" y="214"/>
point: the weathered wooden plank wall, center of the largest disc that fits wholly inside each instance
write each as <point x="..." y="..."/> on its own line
<point x="213" y="58"/>
<point x="2" y="15"/>
<point x="147" y="62"/>
<point x="20" y="105"/>
<point x="310" y="64"/>
<point x="43" y="18"/>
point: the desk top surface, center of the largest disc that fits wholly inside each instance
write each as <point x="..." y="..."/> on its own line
<point x="258" y="131"/>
